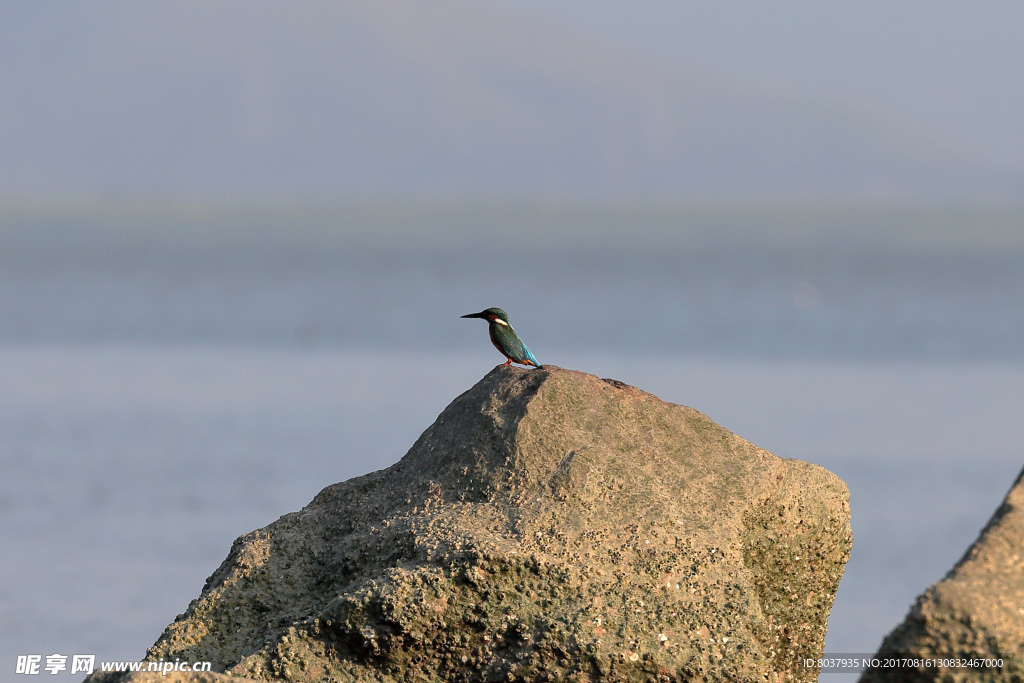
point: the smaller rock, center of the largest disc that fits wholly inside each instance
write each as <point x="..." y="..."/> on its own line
<point x="976" y="612"/>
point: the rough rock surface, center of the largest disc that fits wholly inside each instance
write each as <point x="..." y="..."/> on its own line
<point x="975" y="612"/>
<point x="549" y="525"/>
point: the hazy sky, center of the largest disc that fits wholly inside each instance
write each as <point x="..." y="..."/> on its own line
<point x="652" y="100"/>
<point x="956" y="67"/>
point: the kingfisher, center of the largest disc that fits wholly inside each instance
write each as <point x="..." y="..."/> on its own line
<point x="505" y="338"/>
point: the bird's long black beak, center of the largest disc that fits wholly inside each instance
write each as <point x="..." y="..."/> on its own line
<point x="481" y="314"/>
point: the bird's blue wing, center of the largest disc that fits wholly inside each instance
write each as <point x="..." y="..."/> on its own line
<point x="509" y="343"/>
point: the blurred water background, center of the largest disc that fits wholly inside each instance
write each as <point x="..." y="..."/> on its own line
<point x="236" y="237"/>
<point x="173" y="379"/>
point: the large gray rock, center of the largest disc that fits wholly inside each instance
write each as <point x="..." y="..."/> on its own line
<point x="975" y="612"/>
<point x="549" y="525"/>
